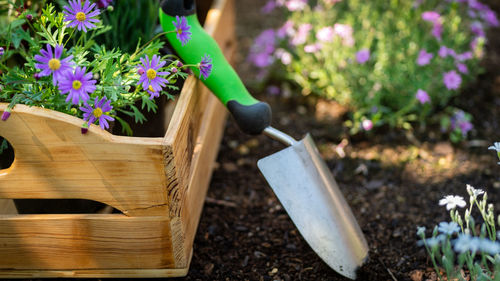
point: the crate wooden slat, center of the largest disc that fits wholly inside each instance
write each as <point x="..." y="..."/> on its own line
<point x="159" y="184"/>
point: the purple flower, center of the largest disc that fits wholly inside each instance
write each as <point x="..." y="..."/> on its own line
<point x="363" y="56"/>
<point x="77" y="84"/>
<point x="464" y="56"/>
<point x="98" y="112"/>
<point x="345" y="32"/>
<point x="6" y="114"/>
<point x="150" y="75"/>
<point x="460" y="121"/>
<point x="443" y="51"/>
<point x="273" y="90"/>
<point x="182" y="29"/>
<point x="301" y="35"/>
<point x="50" y="63"/>
<point x="437" y="29"/>
<point x="325" y="34"/>
<point x="205" y="66"/>
<point x="462" y="68"/>
<point x="474" y="4"/>
<point x="430" y="16"/>
<point x="491" y="18"/>
<point x="424" y="58"/>
<point x="269" y="7"/>
<point x="452" y="80"/>
<point x="367" y="124"/>
<point x="477" y="28"/>
<point x="312" y="48"/>
<point x="263" y="48"/>
<point x="104" y="3"/>
<point x="286" y="30"/>
<point x="422" y="96"/>
<point x="81" y="17"/>
<point x="465" y="127"/>
<point x="2" y="50"/>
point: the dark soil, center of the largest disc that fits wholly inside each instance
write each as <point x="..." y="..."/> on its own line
<point x="392" y="181"/>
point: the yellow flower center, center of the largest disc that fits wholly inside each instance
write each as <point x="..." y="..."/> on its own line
<point x="97" y="112"/>
<point x="151" y="73"/>
<point x="54" y="64"/>
<point x="80" y="16"/>
<point x="77" y="84"/>
<point x="179" y="31"/>
<point x="151" y="88"/>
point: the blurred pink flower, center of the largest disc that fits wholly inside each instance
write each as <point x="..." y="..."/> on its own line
<point x="430" y="16"/>
<point x="363" y="56"/>
<point x="367" y="124"/>
<point x="444" y="51"/>
<point x="462" y="68"/>
<point x="312" y="48"/>
<point x="301" y="36"/>
<point x="464" y="56"/>
<point x="296" y="5"/>
<point x="452" y="80"/>
<point x="422" y="96"/>
<point x="424" y="58"/>
<point x="325" y="34"/>
<point x="437" y="29"/>
<point x="345" y="32"/>
<point x="286" y="30"/>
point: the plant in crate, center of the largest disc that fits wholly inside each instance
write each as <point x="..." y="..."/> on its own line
<point x="51" y="59"/>
<point x="395" y="63"/>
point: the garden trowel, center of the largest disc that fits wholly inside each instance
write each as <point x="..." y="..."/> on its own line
<point x="297" y="174"/>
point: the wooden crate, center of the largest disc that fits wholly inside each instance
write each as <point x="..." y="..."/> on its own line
<point x="159" y="185"/>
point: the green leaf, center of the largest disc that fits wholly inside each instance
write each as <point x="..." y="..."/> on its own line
<point x="150" y="104"/>
<point x="125" y="126"/>
<point x="138" y="116"/>
<point x="4" y="145"/>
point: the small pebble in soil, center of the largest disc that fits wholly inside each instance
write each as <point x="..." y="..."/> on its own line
<point x="302" y="110"/>
<point x="233" y="144"/>
<point x="229" y="167"/>
<point x="259" y="254"/>
<point x="243" y="150"/>
<point x="208" y="269"/>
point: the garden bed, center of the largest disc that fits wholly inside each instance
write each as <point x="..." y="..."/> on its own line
<point x="393" y="184"/>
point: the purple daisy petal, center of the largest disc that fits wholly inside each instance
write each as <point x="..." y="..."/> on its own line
<point x="205" y="66"/>
<point x="50" y="62"/>
<point x="81" y="15"/>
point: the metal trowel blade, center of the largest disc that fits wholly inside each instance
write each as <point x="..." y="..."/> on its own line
<point x="307" y="190"/>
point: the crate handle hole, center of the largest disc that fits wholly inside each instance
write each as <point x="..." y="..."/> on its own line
<point x="62" y="206"/>
<point x="6" y="153"/>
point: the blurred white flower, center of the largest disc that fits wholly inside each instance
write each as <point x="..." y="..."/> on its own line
<point x="452" y="201"/>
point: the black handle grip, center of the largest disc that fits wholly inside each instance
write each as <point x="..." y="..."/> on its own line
<point x="252" y="119"/>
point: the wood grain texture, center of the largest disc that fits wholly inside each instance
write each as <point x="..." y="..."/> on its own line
<point x="211" y="131"/>
<point x="194" y="156"/>
<point x="84" y="242"/>
<point x="158" y="183"/>
<point x="54" y="160"/>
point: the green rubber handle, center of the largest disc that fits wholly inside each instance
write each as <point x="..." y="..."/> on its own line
<point x="251" y="115"/>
